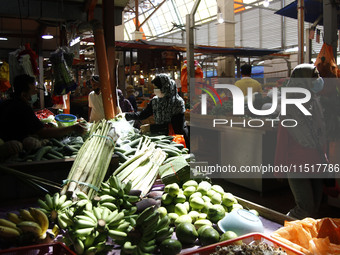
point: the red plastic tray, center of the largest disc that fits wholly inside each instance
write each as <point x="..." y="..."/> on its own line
<point x="45" y="249"/>
<point x="245" y="239"/>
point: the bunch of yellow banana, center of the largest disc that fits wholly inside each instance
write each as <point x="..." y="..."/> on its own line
<point x="53" y="205"/>
<point x="32" y="222"/>
<point x="153" y="230"/>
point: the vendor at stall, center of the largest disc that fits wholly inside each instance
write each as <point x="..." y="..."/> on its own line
<point x="18" y="118"/>
<point x="167" y="107"/>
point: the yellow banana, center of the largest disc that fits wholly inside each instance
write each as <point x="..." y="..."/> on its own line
<point x="13" y="217"/>
<point x="7" y="223"/>
<point x="30" y="226"/>
<point x="25" y="215"/>
<point x="41" y="218"/>
<point x="7" y="232"/>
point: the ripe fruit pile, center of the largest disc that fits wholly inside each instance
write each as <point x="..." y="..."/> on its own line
<point x="195" y="207"/>
<point x="28" y="227"/>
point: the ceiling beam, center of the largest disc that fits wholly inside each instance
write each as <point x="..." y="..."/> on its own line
<point x="158" y="6"/>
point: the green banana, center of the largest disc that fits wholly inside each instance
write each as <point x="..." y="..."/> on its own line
<point x="61" y="201"/>
<point x="89" y="241"/>
<point x="56" y="200"/>
<point x="165" y="221"/>
<point x="43" y="205"/>
<point x="151" y="221"/>
<point x="85" y="224"/>
<point x="105" y="213"/>
<point x="109" y="205"/>
<point x="146" y="213"/>
<point x="124" y="226"/>
<point x="83" y="231"/>
<point x="89" y="206"/>
<point x="116" y="220"/>
<point x="111" y="216"/>
<point x="128" y="187"/>
<point x="129" y="248"/>
<point x="65" y="205"/>
<point x="79" y="246"/>
<point x="13" y="217"/>
<point x="107" y="198"/>
<point x="133" y="199"/>
<point x="117" y="235"/>
<point x="49" y="201"/>
<point x="81" y="195"/>
<point x="82" y="203"/>
<point x="97" y="212"/>
<point x="91" y="251"/>
<point x="90" y="215"/>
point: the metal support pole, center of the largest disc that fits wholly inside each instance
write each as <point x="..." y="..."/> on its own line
<point x="190" y="24"/>
<point x="109" y="36"/>
<point x="301" y="29"/>
<point x="104" y="73"/>
<point x="308" y="47"/>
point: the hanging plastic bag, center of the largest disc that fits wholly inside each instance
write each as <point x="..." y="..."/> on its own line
<point x="310" y="236"/>
<point x="184" y="75"/>
<point x="62" y="62"/>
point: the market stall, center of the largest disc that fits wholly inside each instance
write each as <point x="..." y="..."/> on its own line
<point x="151" y="202"/>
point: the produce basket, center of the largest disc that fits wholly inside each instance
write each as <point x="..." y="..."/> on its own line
<point x="43" y="249"/>
<point x="65" y="120"/>
<point x="247" y="239"/>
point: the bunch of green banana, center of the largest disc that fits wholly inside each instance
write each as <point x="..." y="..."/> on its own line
<point x="153" y="230"/>
<point x="32" y="223"/>
<point x="53" y="205"/>
<point x="116" y="192"/>
<point x="89" y="229"/>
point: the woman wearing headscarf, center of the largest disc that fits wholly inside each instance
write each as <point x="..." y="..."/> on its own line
<point x="166" y="106"/>
<point x="124" y="104"/>
<point x="304" y="144"/>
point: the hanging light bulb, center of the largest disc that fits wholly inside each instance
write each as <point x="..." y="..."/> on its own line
<point x="47" y="36"/>
<point x="266" y="3"/>
<point x="219" y="16"/>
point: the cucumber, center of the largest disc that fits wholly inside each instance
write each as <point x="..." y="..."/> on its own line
<point x="135" y="142"/>
<point x="50" y="155"/>
<point x="165" y="141"/>
<point x="122" y="157"/>
<point x="56" y="153"/>
<point x="41" y="152"/>
<point x="56" y="142"/>
<point x="119" y="150"/>
<point x="132" y="151"/>
<point x="170" y="152"/>
<point x="179" y="146"/>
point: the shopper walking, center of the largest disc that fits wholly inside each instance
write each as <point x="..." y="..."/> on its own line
<point x="124" y="104"/>
<point x="131" y="97"/>
<point x="247" y="82"/>
<point x="167" y="107"/>
<point x="96" y="108"/>
<point x="303" y="145"/>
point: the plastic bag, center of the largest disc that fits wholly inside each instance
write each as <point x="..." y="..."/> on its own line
<point x="124" y="129"/>
<point x="311" y="236"/>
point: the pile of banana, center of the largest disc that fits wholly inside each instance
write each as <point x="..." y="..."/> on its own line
<point x="150" y="230"/>
<point x="54" y="205"/>
<point x="29" y="226"/>
<point x="88" y="222"/>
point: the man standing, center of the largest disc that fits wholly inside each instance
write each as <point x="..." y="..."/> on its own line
<point x="96" y="108"/>
<point x="247" y="82"/>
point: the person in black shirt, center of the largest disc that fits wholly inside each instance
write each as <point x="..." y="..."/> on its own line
<point x="167" y="107"/>
<point x="18" y="118"/>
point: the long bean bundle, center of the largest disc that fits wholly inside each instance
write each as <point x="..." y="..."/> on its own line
<point x="92" y="161"/>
